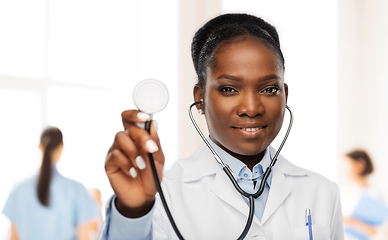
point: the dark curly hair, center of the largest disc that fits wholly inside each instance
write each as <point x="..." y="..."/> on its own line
<point x="228" y="27"/>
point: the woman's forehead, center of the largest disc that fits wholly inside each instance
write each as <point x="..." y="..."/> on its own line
<point x="241" y="46"/>
<point x="247" y="57"/>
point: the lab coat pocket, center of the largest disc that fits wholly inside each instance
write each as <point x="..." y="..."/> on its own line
<point x="319" y="233"/>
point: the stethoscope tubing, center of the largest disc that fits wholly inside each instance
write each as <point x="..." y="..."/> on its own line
<point x="159" y="187"/>
<point x="226" y="169"/>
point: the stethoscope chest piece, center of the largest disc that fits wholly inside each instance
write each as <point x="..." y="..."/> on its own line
<point x="150" y="96"/>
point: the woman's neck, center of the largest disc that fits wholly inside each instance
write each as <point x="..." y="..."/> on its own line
<point x="250" y="161"/>
<point x="361" y="182"/>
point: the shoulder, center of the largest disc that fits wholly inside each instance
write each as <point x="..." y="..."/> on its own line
<point x="71" y="181"/>
<point x="24" y="184"/>
<point x="176" y="170"/>
<point x="199" y="165"/>
<point x="20" y="195"/>
<point x="70" y="185"/>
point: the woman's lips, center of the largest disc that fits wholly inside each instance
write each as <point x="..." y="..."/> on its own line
<point x="249" y="132"/>
<point x="251" y="129"/>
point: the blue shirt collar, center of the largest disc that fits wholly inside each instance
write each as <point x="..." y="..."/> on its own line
<point x="240" y="169"/>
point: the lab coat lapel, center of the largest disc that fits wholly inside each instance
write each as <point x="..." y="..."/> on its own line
<point x="202" y="164"/>
<point x="221" y="185"/>
<point x="280" y="189"/>
<point x="223" y="188"/>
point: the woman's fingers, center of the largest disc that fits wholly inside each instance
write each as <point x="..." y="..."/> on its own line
<point x="130" y="149"/>
<point x="143" y="140"/>
<point x="134" y="117"/>
<point x="121" y="155"/>
<point x="125" y="155"/>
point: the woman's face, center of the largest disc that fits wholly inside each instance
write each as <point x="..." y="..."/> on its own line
<point x="244" y="97"/>
<point x="352" y="168"/>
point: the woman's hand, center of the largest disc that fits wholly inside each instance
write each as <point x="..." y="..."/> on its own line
<point x="128" y="168"/>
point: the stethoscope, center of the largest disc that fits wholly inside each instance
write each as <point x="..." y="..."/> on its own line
<point x="151" y="96"/>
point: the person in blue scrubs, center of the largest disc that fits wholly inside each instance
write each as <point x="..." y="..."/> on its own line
<point x="49" y="205"/>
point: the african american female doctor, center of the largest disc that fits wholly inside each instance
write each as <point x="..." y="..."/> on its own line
<point x="240" y="70"/>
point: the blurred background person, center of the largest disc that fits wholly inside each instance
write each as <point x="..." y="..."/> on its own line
<point x="364" y="209"/>
<point x="49" y="205"/>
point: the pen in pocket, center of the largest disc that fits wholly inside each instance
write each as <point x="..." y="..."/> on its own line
<point x="309" y="224"/>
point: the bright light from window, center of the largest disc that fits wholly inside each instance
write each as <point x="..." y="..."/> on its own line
<point x="23" y="38"/>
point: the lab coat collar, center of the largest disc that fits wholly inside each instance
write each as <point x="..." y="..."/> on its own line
<point x="202" y="164"/>
<point x="237" y="166"/>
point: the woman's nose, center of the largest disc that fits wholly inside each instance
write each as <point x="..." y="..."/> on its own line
<point x="250" y="105"/>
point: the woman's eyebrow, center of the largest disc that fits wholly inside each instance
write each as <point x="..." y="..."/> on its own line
<point x="230" y="77"/>
<point x="269" y="78"/>
<point x="262" y="79"/>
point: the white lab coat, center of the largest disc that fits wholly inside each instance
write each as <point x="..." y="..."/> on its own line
<point x="205" y="205"/>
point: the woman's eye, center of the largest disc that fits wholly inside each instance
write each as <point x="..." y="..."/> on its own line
<point x="270" y="90"/>
<point x="228" y="90"/>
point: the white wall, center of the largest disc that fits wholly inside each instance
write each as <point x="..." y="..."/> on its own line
<point x="192" y="15"/>
<point x="363" y="82"/>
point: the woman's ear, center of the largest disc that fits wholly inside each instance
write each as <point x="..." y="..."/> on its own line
<point x="198" y="96"/>
<point x="197" y="93"/>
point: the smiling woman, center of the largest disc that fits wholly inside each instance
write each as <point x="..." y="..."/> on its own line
<point x="244" y="98"/>
<point x="242" y="94"/>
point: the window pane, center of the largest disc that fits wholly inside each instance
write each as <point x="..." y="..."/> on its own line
<point x="106" y="43"/>
<point x="23" y="38"/>
<point x="96" y="45"/>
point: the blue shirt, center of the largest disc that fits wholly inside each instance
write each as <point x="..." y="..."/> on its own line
<point x="244" y="176"/>
<point x="139" y="228"/>
<point x="70" y="204"/>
